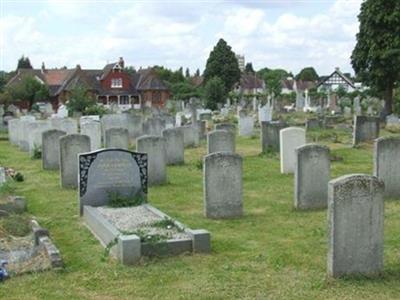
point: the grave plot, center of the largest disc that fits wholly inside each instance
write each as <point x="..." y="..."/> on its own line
<point x="113" y="202"/>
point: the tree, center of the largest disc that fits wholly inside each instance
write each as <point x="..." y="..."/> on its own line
<point x="307" y="74"/>
<point x="184" y="91"/>
<point x="29" y="89"/>
<point x="273" y="79"/>
<point x="222" y="63"/>
<point x="24" y="63"/>
<point x="214" y="92"/>
<point x="249" y="68"/>
<point x="130" y="70"/>
<point x="187" y="73"/>
<point x="197" y="73"/>
<point x="376" y="56"/>
<point x="79" y="100"/>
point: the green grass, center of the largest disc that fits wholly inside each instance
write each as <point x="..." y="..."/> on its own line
<point x="271" y="252"/>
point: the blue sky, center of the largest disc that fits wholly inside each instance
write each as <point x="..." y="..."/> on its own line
<point x="285" y="34"/>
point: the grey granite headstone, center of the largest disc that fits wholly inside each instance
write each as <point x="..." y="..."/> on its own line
<point x="220" y="141"/>
<point x="246" y="126"/>
<point x="365" y="129"/>
<point x="113" y="121"/>
<point x="135" y="126"/>
<point x="174" y="146"/>
<point x="270" y="139"/>
<point x="223" y="187"/>
<point x="117" y="138"/>
<point x="313" y="124"/>
<point x="13" y="131"/>
<point x="387" y="164"/>
<point x="190" y="136"/>
<point x="355" y="225"/>
<point x="51" y="149"/>
<point x="226" y="126"/>
<point x="109" y="171"/>
<point x="312" y="174"/>
<point x="290" y="139"/>
<point x="2" y="176"/>
<point x="153" y="126"/>
<point x="70" y="146"/>
<point x="93" y="130"/>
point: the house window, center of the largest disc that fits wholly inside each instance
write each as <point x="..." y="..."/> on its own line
<point x="116" y="82"/>
<point x="123" y="100"/>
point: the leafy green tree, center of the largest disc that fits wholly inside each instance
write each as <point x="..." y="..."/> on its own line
<point x="29" y="89"/>
<point x="197" y="73"/>
<point x="184" y="91"/>
<point x="187" y="73"/>
<point x="307" y="74"/>
<point x="376" y="56"/>
<point x="249" y="68"/>
<point x="273" y="79"/>
<point x="24" y="63"/>
<point x="130" y="70"/>
<point x="214" y="92"/>
<point x="222" y="63"/>
<point x="79" y="100"/>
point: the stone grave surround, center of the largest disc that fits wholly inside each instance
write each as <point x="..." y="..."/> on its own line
<point x="387" y="164"/>
<point x="111" y="170"/>
<point x="311" y="177"/>
<point x="355" y="225"/>
<point x="290" y="139"/>
<point x="51" y="149"/>
<point x="365" y="129"/>
<point x="220" y="141"/>
<point x="174" y="146"/>
<point x="117" y="138"/>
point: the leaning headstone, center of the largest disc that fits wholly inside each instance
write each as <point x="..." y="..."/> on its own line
<point x="355" y="225"/>
<point x="221" y="141"/>
<point x="270" y="139"/>
<point x="154" y="146"/>
<point x="387" y="164"/>
<point x="93" y="130"/>
<point x="51" y="149"/>
<point x="365" y="129"/>
<point x="246" y="126"/>
<point x="311" y="176"/>
<point x="109" y="171"/>
<point x="190" y="136"/>
<point x="223" y="190"/>
<point x="174" y="146"/>
<point x="290" y="139"/>
<point x="70" y="146"/>
<point x="117" y="138"/>
<point x="226" y="126"/>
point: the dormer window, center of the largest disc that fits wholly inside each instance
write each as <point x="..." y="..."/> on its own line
<point x="116" y="82"/>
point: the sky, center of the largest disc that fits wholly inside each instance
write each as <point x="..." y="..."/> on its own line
<point x="284" y="34"/>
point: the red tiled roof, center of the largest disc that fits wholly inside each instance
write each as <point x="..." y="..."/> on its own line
<point x="56" y="77"/>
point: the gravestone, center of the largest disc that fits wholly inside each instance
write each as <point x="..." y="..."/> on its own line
<point x="365" y="129"/>
<point x="51" y="149"/>
<point x="154" y="146"/>
<point x="70" y="126"/>
<point x="357" y="106"/>
<point x="93" y="130"/>
<point x="264" y="113"/>
<point x="174" y="146"/>
<point x="113" y="121"/>
<point x="201" y="129"/>
<point x="135" y="126"/>
<point x="190" y="136"/>
<point x="270" y="138"/>
<point x="355" y="225"/>
<point x="290" y="139"/>
<point x="70" y="146"/>
<point x="226" y="126"/>
<point x="392" y="120"/>
<point x="111" y="171"/>
<point x="313" y="124"/>
<point x="387" y="164"/>
<point x="88" y="119"/>
<point x="312" y="174"/>
<point x="246" y="126"/>
<point x="62" y="111"/>
<point x="117" y="138"/>
<point x="2" y="176"/>
<point x="223" y="190"/>
<point x="153" y="126"/>
<point x="23" y="134"/>
<point x="35" y="130"/>
<point x="220" y="141"/>
<point x="13" y="127"/>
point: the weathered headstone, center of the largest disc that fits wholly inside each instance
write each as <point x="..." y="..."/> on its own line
<point x="35" y="130"/>
<point x="70" y="126"/>
<point x="220" y="141"/>
<point x="264" y="113"/>
<point x="23" y="132"/>
<point x="190" y="136"/>
<point x="70" y="146"/>
<point x="223" y="189"/>
<point x="154" y="146"/>
<point x="174" y="146"/>
<point x="312" y="174"/>
<point x="270" y="138"/>
<point x="113" y="121"/>
<point x="88" y="119"/>
<point x="93" y="130"/>
<point x="313" y="124"/>
<point x="201" y="129"/>
<point x="153" y="126"/>
<point x="2" y="176"/>
<point x="246" y="126"/>
<point x="51" y="149"/>
<point x="355" y="225"/>
<point x="135" y="126"/>
<point x="365" y="129"/>
<point x="387" y="164"/>
<point x="117" y="138"/>
<point x="108" y="171"/>
<point x="357" y="106"/>
<point x="13" y="126"/>
<point x="290" y="139"/>
<point x="226" y="126"/>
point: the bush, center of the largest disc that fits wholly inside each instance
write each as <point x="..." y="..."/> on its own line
<point x="96" y="110"/>
<point x="18" y="177"/>
<point x="37" y="152"/>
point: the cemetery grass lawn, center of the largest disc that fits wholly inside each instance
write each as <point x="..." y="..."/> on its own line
<point x="272" y="252"/>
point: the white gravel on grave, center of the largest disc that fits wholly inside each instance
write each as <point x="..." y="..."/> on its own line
<point x="130" y="219"/>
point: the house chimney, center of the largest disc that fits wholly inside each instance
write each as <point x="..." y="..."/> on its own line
<point x="121" y="62"/>
<point x="43" y="69"/>
<point x="337" y="69"/>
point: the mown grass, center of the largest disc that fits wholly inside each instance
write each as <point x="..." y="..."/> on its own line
<point x="271" y="252"/>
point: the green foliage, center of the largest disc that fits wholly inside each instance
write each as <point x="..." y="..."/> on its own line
<point x="24" y="63"/>
<point x="79" y="100"/>
<point x="115" y="199"/>
<point x="6" y="189"/>
<point x="17" y="225"/>
<point x="214" y="92"/>
<point x="184" y="90"/>
<point x="29" y="89"/>
<point x="169" y="75"/>
<point x="307" y="74"/>
<point x="222" y="63"/>
<point x="273" y="79"/>
<point x="37" y="152"/>
<point x="96" y="109"/>
<point x="199" y="164"/>
<point x="130" y="70"/>
<point x="341" y="91"/>
<point x="18" y="177"/>
<point x="249" y="68"/>
<point x="166" y="223"/>
<point x="397" y="101"/>
<point x="376" y="56"/>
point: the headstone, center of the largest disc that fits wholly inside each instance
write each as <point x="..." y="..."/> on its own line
<point x="387" y="164"/>
<point x="365" y="129"/>
<point x="154" y="146"/>
<point x="357" y="106"/>
<point x="347" y="111"/>
<point x="392" y="120"/>
<point x="246" y="126"/>
<point x="221" y="141"/>
<point x="88" y="119"/>
<point x="13" y="127"/>
<point x="190" y="136"/>
<point x="2" y="176"/>
<point x="135" y="126"/>
<point x="201" y="129"/>
<point x="35" y="130"/>
<point x="355" y="225"/>
<point x="70" y="146"/>
<point x="23" y="134"/>
<point x="117" y="138"/>
<point x="113" y="121"/>
<point x="153" y="126"/>
<point x="226" y="126"/>
<point x="264" y="113"/>
<point x="174" y="146"/>
<point x="270" y="138"/>
<point x="62" y="111"/>
<point x="290" y="139"/>
<point x="299" y="101"/>
<point x="111" y="171"/>
<point x="70" y="126"/>
<point x="93" y="130"/>
<point x="223" y="191"/>
<point x="51" y="149"/>
<point x="311" y="176"/>
<point x="313" y="124"/>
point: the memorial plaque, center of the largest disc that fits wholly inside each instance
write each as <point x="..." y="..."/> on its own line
<point x="111" y="171"/>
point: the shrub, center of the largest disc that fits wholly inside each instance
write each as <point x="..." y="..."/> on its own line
<point x="18" y="177"/>
<point x="37" y="152"/>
